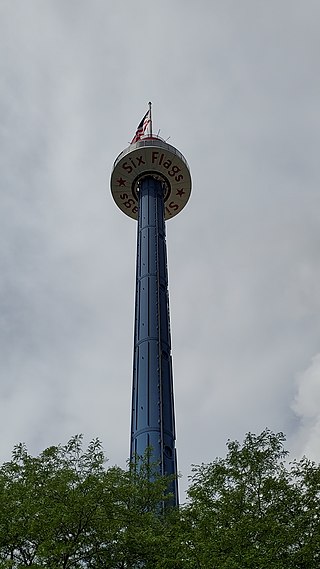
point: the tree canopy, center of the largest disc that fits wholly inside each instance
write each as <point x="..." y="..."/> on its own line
<point x="252" y="509"/>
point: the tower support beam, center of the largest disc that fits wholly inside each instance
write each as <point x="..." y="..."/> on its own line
<point x="152" y="420"/>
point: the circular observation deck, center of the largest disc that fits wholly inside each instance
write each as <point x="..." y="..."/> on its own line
<point x="150" y="156"/>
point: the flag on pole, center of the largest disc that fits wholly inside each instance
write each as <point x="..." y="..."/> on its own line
<point x="142" y="126"/>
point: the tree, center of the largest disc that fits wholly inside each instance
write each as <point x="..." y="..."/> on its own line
<point x="64" y="509"/>
<point x="251" y="510"/>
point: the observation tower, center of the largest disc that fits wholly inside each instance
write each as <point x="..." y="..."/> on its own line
<point x="151" y="183"/>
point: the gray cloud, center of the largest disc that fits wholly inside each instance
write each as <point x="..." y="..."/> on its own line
<point x="237" y="89"/>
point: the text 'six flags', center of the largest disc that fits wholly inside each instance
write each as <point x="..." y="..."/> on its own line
<point x="142" y="126"/>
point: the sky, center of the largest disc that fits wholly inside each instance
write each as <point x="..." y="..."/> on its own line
<point x="236" y="87"/>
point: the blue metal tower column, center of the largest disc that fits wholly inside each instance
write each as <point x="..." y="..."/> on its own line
<point x="152" y="422"/>
<point x="151" y="183"/>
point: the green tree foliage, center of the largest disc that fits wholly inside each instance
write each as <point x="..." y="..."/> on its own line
<point x="64" y="509"/>
<point x="252" y="509"/>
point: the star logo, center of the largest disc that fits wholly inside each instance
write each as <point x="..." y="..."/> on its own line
<point x="180" y="192"/>
<point x="121" y="182"/>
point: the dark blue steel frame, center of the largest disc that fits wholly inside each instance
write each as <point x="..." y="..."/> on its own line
<point x="152" y="421"/>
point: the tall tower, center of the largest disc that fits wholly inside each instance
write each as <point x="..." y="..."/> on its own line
<point x="151" y="183"/>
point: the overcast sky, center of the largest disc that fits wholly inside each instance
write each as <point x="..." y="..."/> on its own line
<point x="236" y="87"/>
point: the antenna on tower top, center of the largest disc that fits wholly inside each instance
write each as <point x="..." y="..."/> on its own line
<point x="150" y="123"/>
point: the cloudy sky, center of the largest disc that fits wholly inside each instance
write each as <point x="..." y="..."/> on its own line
<point x="236" y="87"/>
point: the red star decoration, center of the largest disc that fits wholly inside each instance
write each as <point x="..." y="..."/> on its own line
<point x="180" y="192"/>
<point x="121" y="182"/>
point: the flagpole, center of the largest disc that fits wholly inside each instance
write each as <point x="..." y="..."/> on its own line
<point x="150" y="123"/>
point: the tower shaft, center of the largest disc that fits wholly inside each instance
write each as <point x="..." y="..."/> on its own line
<point x="151" y="183"/>
<point x="152" y="421"/>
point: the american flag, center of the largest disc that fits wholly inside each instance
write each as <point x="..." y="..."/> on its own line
<point x="141" y="127"/>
